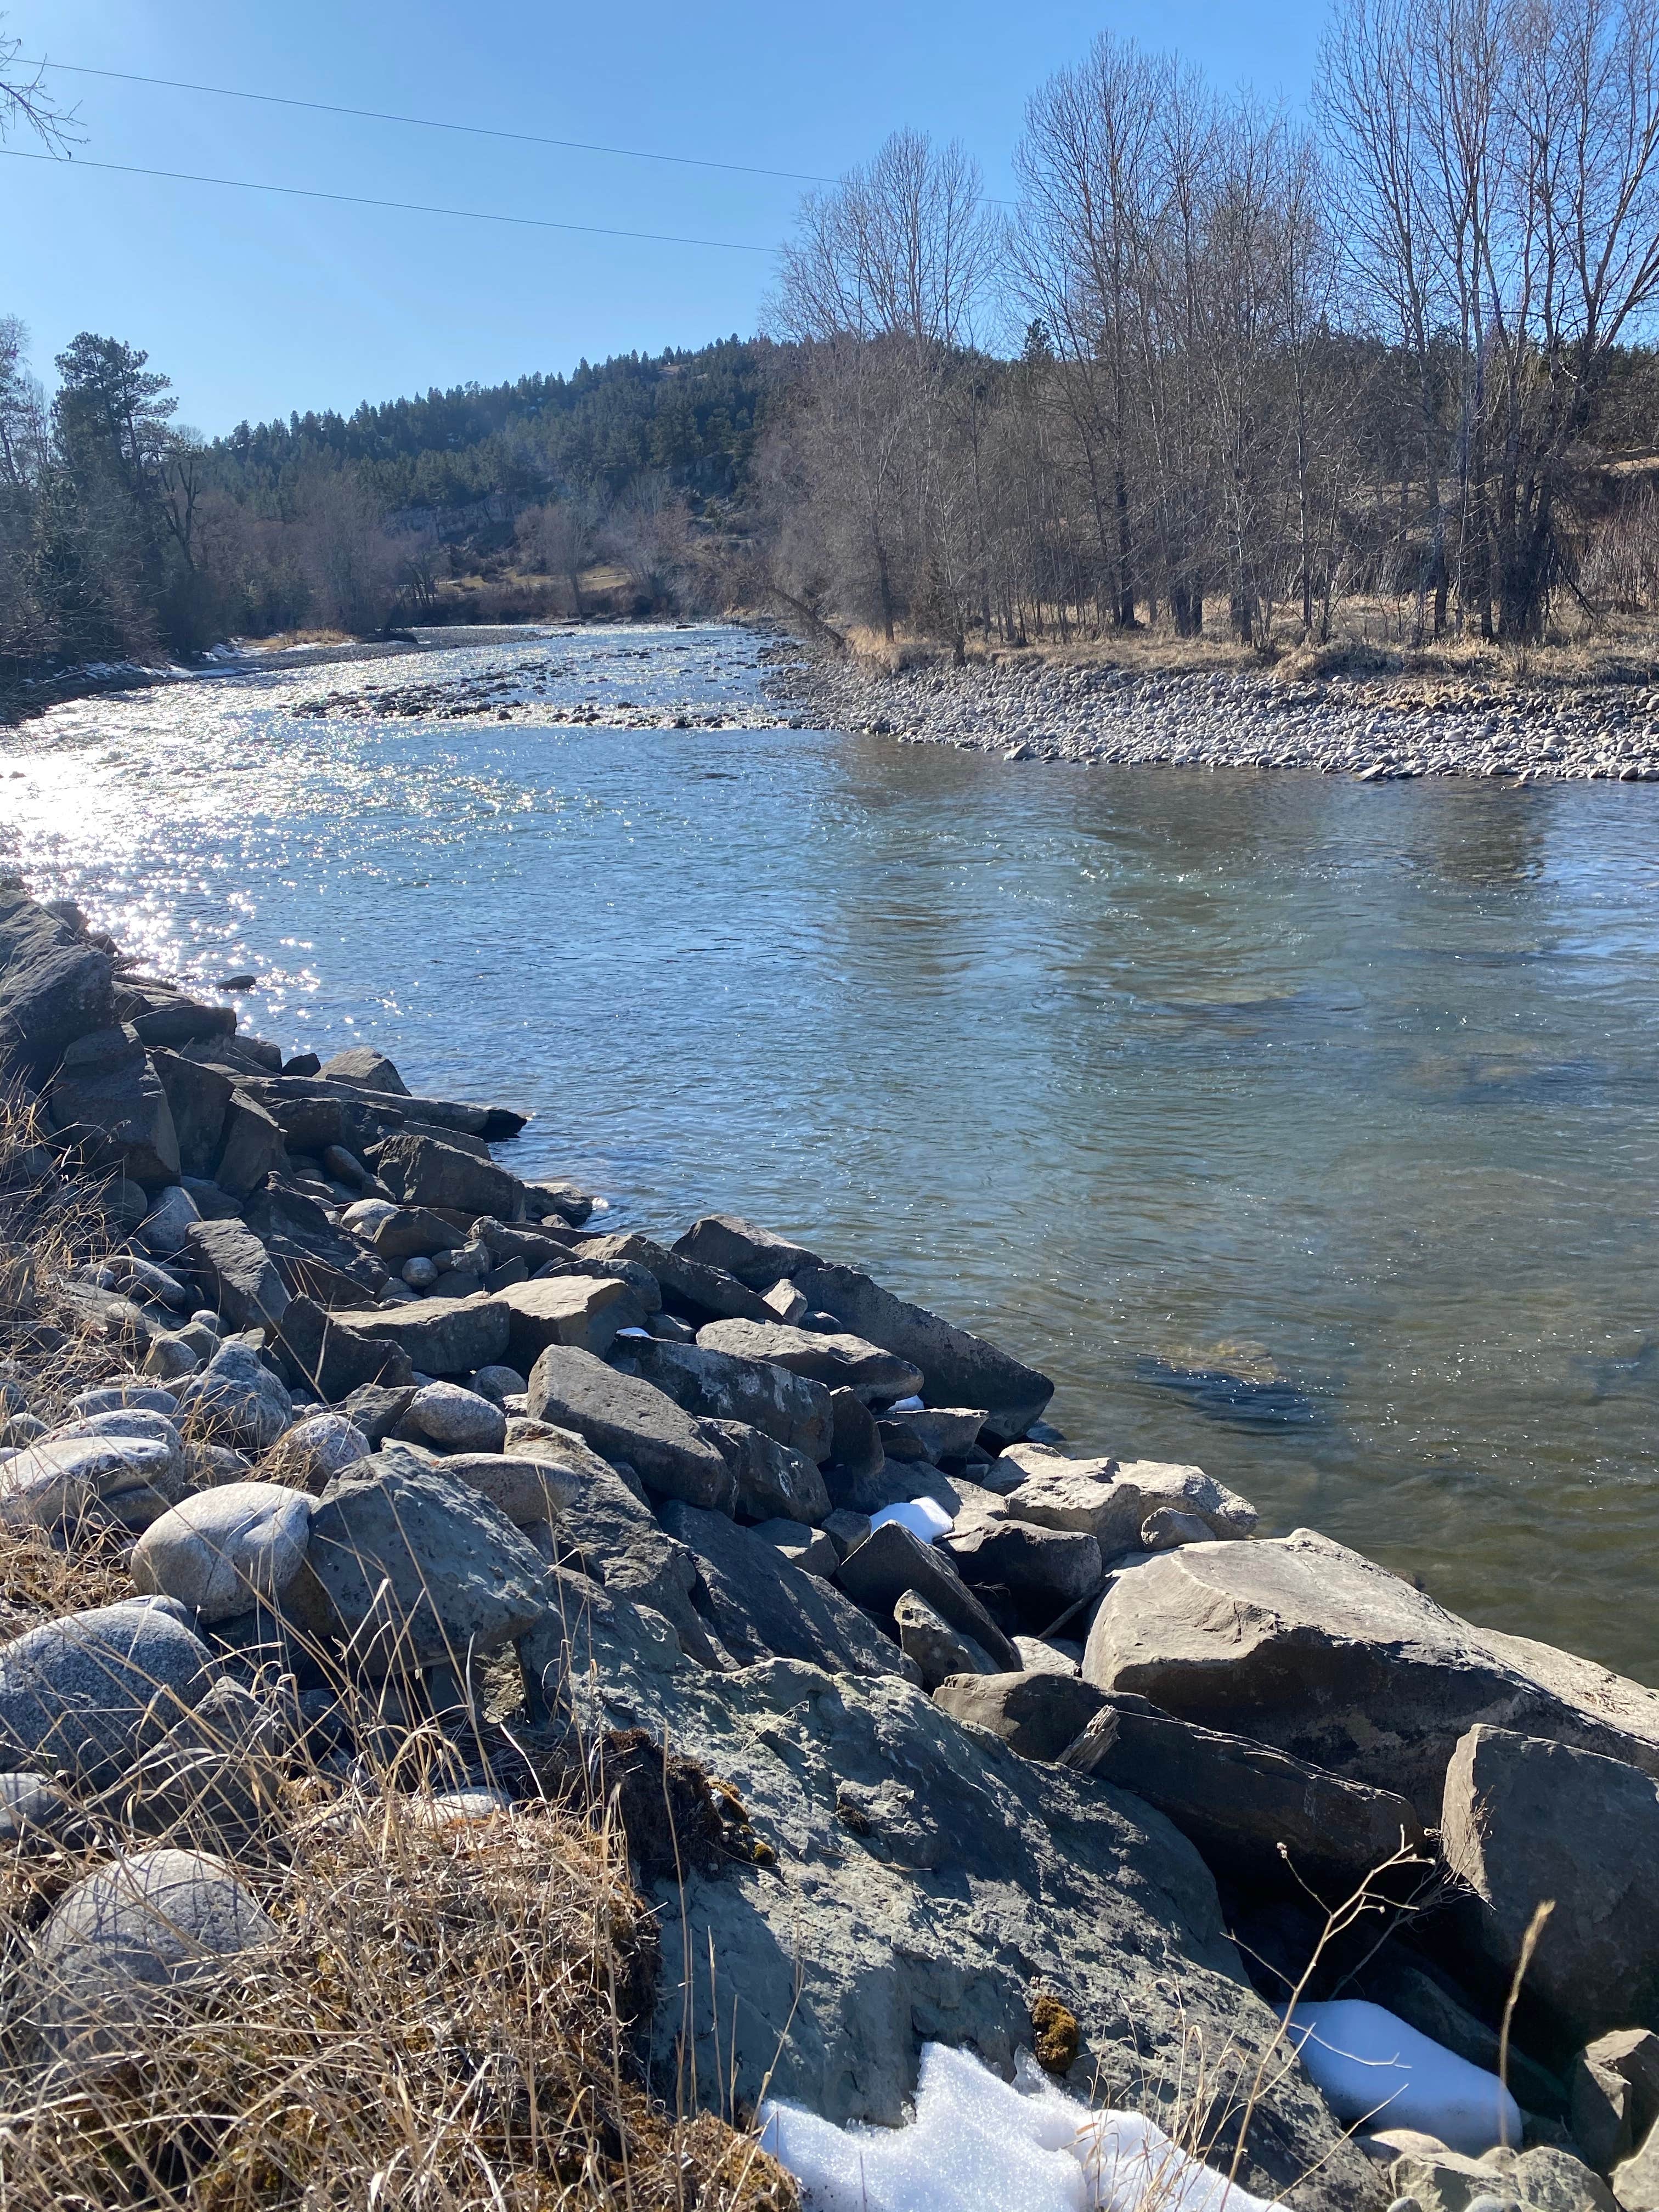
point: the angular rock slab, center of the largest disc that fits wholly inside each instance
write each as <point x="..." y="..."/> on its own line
<point x="119" y="1951"/>
<point x="760" y="1607"/>
<point x="1038" y="1715"/>
<point x="334" y="1356"/>
<point x="1239" y="1802"/>
<point x="88" y="1694"/>
<point x="721" y="1387"/>
<point x="579" y="1309"/>
<point x="623" y="1418"/>
<point x="442" y="1336"/>
<point x="225" y="1550"/>
<point x="108" y="1101"/>
<point x="1300" y="1643"/>
<point x="237" y="1274"/>
<point x="927" y="1883"/>
<point x="893" y="1559"/>
<point x="54" y="987"/>
<point x="1523" y="1820"/>
<point x="420" y="1570"/>
<point x="957" y="1368"/>
<point x="834" y="1360"/>
<point x="736" y="1247"/>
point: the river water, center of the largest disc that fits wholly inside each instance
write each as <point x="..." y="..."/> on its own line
<point x="1301" y="1129"/>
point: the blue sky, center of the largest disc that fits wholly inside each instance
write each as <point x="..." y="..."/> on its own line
<point x="254" y="305"/>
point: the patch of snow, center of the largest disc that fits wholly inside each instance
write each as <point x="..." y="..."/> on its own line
<point x="1366" y="2062"/>
<point x="980" y="2144"/>
<point x="923" y="1516"/>
<point x="912" y="1405"/>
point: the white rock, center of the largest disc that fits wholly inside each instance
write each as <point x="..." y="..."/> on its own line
<point x="224" y="1548"/>
<point x="1369" y="2064"/>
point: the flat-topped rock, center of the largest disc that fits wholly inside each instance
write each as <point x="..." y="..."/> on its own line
<point x="835" y="1360"/>
<point x="1113" y="1502"/>
<point x="957" y="1368"/>
<point x="442" y="1336"/>
<point x="1303" y="1644"/>
<point x="584" y="1310"/>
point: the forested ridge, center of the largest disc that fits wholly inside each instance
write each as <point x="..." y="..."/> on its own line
<point x="1380" y="370"/>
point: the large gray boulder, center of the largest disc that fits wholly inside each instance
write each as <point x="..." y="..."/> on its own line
<point x="607" y="1531"/>
<point x="1303" y="1644"/>
<point x="442" y="1336"/>
<point x="460" y="1419"/>
<point x="938" y="1649"/>
<point x="583" y="1310"/>
<point x="928" y="1883"/>
<point x="238" y="1400"/>
<point x="759" y="1606"/>
<point x="64" y="1480"/>
<point x="754" y="1256"/>
<point x="1255" y="1814"/>
<point x="87" y="1694"/>
<point x="710" y="1293"/>
<point x="363" y="1065"/>
<point x="108" y="1102"/>
<point x="1525" y="1821"/>
<point x="1037" y="1715"/>
<point x="893" y="1559"/>
<point x="250" y="1147"/>
<point x="330" y="1354"/>
<point x="226" y="1549"/>
<point x="836" y="1359"/>
<point x="623" y="1417"/>
<point x="237" y="1274"/>
<point x="957" y="1369"/>
<point x="420" y="1570"/>
<point x="722" y="1387"/>
<point x="1112" y="1502"/>
<point x="197" y="1098"/>
<point x="1049" y="1569"/>
<point x="54" y="987"/>
<point x="773" y="1479"/>
<point x="423" y="1171"/>
<point x="120" y="1952"/>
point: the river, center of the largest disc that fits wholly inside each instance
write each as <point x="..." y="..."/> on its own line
<point x="1301" y="1129"/>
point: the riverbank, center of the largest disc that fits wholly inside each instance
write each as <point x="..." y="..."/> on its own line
<point x="30" y="696"/>
<point x="412" y="1490"/>
<point x="1063" y="708"/>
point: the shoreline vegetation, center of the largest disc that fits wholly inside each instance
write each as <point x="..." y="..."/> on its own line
<point x="493" y="1695"/>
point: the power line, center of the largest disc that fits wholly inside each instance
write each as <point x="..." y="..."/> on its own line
<point x="404" y="207"/>
<point x="432" y="122"/>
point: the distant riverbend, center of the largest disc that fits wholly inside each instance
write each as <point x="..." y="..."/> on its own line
<point x="1299" y="1129"/>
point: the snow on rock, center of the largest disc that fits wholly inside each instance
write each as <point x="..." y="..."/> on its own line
<point x="978" y="2144"/>
<point x="923" y="1516"/>
<point x="1366" y="2062"/>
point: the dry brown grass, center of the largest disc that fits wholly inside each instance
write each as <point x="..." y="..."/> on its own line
<point x="1370" y="643"/>
<point x="443" y="2022"/>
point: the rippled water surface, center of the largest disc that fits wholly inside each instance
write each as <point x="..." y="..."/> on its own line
<point x="1301" y="1129"/>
